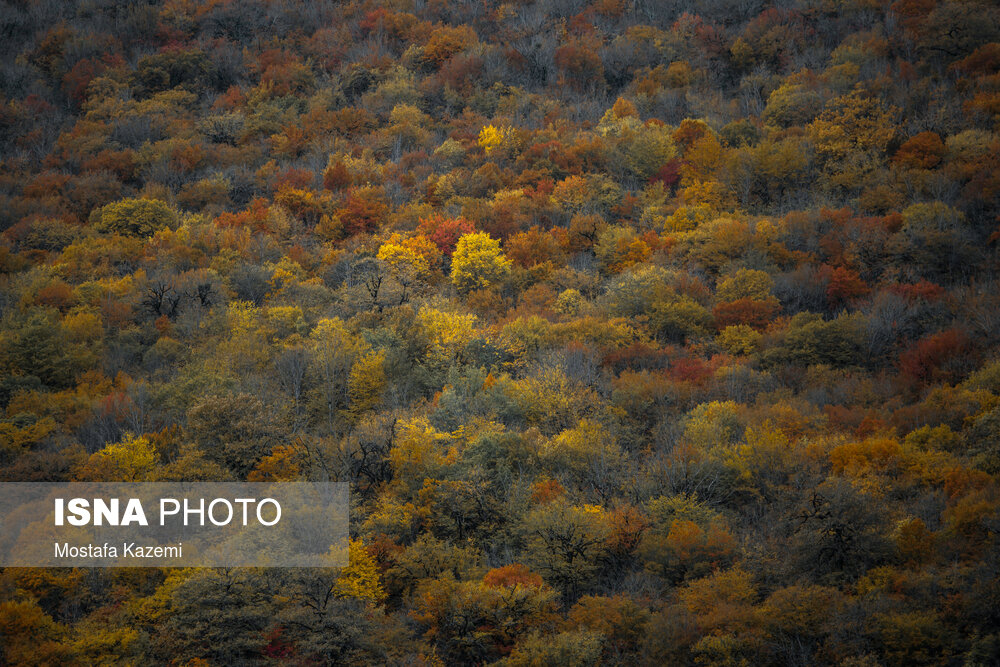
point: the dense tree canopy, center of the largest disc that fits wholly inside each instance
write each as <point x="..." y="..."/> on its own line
<point x="658" y="333"/>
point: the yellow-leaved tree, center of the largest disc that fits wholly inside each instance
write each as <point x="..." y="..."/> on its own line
<point x="334" y="350"/>
<point x="745" y="284"/>
<point x="420" y="451"/>
<point x="130" y="460"/>
<point x="446" y="334"/>
<point x="366" y="382"/>
<point x="478" y="262"/>
<point x="133" y="217"/>
<point x="410" y="258"/>
<point x="492" y="138"/>
<point x="412" y="262"/>
<point x="360" y="579"/>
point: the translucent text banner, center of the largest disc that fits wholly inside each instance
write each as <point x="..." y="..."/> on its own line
<point x="196" y="524"/>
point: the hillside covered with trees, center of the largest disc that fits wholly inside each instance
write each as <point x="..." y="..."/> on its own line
<point x="645" y="333"/>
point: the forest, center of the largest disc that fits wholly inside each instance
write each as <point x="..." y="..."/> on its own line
<point x="645" y="333"/>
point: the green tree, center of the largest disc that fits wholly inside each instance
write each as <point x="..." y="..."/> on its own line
<point x="232" y="430"/>
<point x="840" y="532"/>
<point x="39" y="347"/>
<point x="579" y="648"/>
<point x="812" y="340"/>
<point x="565" y="543"/>
<point x="792" y="104"/>
<point x="31" y="637"/>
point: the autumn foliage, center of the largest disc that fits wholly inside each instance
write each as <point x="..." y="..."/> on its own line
<point x="644" y="333"/>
